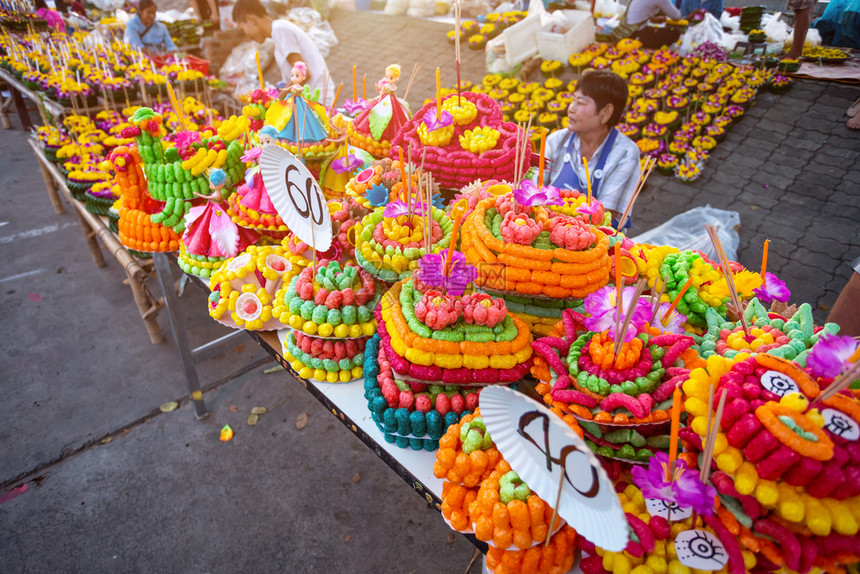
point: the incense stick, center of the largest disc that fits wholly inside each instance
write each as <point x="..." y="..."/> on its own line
<point x="640" y="185"/>
<point x="640" y="287"/>
<point x="415" y="69"/>
<point x="727" y="272"/>
<point x="706" y="462"/>
<point x="659" y="297"/>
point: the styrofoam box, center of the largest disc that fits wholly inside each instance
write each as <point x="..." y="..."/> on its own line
<point x="562" y="46"/>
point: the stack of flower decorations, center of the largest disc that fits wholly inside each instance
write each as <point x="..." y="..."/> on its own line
<point x="315" y="141"/>
<point x="329" y="309"/>
<point x="338" y="170"/>
<point x="468" y="141"/>
<point x="482" y="495"/>
<point x="176" y="174"/>
<point x="620" y="399"/>
<point x="135" y="227"/>
<point x="210" y="238"/>
<point x="546" y="260"/>
<point x="345" y="215"/>
<point x="256" y="104"/>
<point x="435" y="351"/>
<point x="393" y="240"/>
<point x="381" y="183"/>
<point x="707" y="287"/>
<point x="243" y="288"/>
<point x="674" y="527"/>
<point x="787" y="457"/>
<point x="251" y="206"/>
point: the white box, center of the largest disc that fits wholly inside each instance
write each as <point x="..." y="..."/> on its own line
<point x="562" y="46"/>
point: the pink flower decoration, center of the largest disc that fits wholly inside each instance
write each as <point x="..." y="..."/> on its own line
<point x="830" y="355"/>
<point x="252" y="154"/>
<point x="482" y="309"/>
<point x="460" y="274"/>
<point x="603" y="313"/>
<point x="519" y="228"/>
<point x="675" y="324"/>
<point x="398" y="208"/>
<point x="775" y="290"/>
<point x="593" y="212"/>
<point x="437" y="311"/>
<point x="432" y="123"/>
<point x="530" y="194"/>
<point x="346" y="164"/>
<point x="570" y="233"/>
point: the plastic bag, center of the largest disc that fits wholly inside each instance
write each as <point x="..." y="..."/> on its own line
<point x="686" y="231"/>
<point x="396" y="7"/>
<point x="730" y="22"/>
<point x="607" y="8"/>
<point x="777" y="31"/>
<point x="495" y="57"/>
<point x="708" y="30"/>
<point x="240" y="68"/>
<point x="421" y="8"/>
<point x="319" y="30"/>
<point x="108" y="5"/>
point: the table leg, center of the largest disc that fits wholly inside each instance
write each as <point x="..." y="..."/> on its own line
<point x="90" y="236"/>
<point x="180" y="337"/>
<point x="21" y="107"/>
<point x="51" y="186"/>
<point x="148" y="308"/>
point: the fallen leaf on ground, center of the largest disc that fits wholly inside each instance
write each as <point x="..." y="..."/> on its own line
<point x="106" y="439"/>
<point x="347" y="537"/>
<point x="356" y="477"/>
<point x="301" y="421"/>
<point x="170" y="406"/>
<point x="239" y="348"/>
<point x="234" y="409"/>
<point x="259" y="410"/>
<point x="252" y="420"/>
<point x="451" y="538"/>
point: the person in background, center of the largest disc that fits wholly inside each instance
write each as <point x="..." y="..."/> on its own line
<point x="144" y="33"/>
<point x="715" y="7"/>
<point x="207" y="10"/>
<point x="613" y="158"/>
<point x="638" y="14"/>
<point x="846" y="310"/>
<point x="71" y="6"/>
<point x="292" y="45"/>
<point x="802" y="15"/>
<point x="52" y="17"/>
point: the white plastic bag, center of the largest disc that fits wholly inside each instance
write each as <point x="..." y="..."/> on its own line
<point x="495" y="58"/>
<point x="730" y="22"/>
<point x="777" y="31"/>
<point x="708" y="30"/>
<point x="319" y="30"/>
<point x="240" y="68"/>
<point x="421" y="8"/>
<point x="396" y="7"/>
<point x="686" y="231"/>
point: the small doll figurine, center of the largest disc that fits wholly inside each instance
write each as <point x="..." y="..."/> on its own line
<point x="298" y="75"/>
<point x="388" y="85"/>
<point x="268" y="135"/>
<point x="217" y="181"/>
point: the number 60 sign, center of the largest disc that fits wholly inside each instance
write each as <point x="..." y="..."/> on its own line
<point x="296" y="196"/>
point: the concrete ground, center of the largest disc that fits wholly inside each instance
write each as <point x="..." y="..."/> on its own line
<point x="114" y="485"/>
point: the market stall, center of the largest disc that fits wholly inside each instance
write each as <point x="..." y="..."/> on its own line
<point x="415" y="274"/>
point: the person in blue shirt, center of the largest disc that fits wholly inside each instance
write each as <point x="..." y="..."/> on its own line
<point x="144" y="33"/>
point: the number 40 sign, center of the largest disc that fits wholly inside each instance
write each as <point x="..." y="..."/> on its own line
<point x="296" y="196"/>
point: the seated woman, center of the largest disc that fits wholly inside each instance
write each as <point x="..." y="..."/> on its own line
<point x="52" y="17"/>
<point x="613" y="159"/>
<point x="638" y="14"/>
<point x="145" y="34"/>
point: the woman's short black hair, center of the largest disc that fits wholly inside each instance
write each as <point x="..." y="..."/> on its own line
<point x="146" y="4"/>
<point x="39" y="4"/>
<point x="244" y="8"/>
<point x="605" y="87"/>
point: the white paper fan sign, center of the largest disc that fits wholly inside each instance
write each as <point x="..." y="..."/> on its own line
<point x="544" y="451"/>
<point x="296" y="196"/>
<point x="701" y="550"/>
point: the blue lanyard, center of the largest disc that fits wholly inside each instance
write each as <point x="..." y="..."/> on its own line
<point x="567" y="175"/>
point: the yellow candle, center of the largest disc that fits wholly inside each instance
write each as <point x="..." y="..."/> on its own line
<point x="438" y="95"/>
<point x="764" y="262"/>
<point x="260" y="71"/>
<point x="587" y="179"/>
<point x="364" y="87"/>
<point x="541" y="159"/>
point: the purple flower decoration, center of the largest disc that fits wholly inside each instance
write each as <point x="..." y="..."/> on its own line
<point x="377" y="196"/>
<point x="432" y="272"/>
<point x="398" y="208"/>
<point x="675" y="324"/>
<point x="684" y="487"/>
<point x="346" y="164"/>
<point x="529" y="194"/>
<point x="432" y="123"/>
<point x="252" y="154"/>
<point x="830" y="354"/>
<point x="775" y="290"/>
<point x="603" y="312"/>
<point x="354" y="107"/>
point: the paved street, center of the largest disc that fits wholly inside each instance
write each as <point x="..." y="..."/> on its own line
<point x="117" y="486"/>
